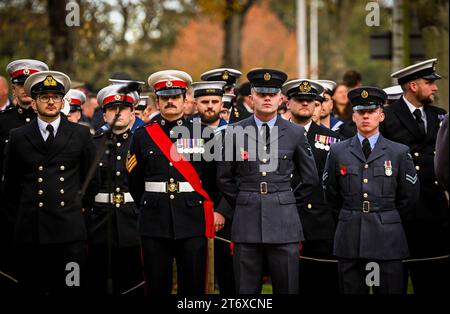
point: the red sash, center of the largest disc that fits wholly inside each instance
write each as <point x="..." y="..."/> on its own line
<point x="186" y="170"/>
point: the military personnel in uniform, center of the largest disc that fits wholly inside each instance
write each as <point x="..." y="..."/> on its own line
<point x="208" y="96"/>
<point x="326" y="118"/>
<point x="208" y="99"/>
<point x="229" y="101"/>
<point x="22" y="113"/>
<point x="244" y="106"/>
<point x="266" y="222"/>
<point x="394" y="93"/>
<point x="46" y="162"/>
<point x="413" y="121"/>
<point x="12" y="117"/>
<point x="114" y="202"/>
<point x="370" y="183"/>
<point x="316" y="217"/>
<point x="175" y="213"/>
<point x="140" y="107"/>
<point x="229" y="76"/>
<point x="74" y="99"/>
<point x="135" y="122"/>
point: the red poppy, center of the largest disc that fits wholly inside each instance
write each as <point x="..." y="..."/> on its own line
<point x="343" y="170"/>
<point x="244" y="155"/>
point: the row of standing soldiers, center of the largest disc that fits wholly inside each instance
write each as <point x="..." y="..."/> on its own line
<point x="143" y="207"/>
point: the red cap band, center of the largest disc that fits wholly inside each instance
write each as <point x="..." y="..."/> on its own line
<point x="75" y="101"/>
<point x="114" y="98"/>
<point x="23" y="72"/>
<point x="170" y="84"/>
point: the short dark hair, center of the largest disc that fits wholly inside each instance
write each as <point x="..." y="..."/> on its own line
<point x="352" y="78"/>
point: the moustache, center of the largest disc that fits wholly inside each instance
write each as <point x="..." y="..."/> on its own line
<point x="170" y="106"/>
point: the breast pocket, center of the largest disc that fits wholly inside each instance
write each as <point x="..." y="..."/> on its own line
<point x="103" y="169"/>
<point x="351" y="181"/>
<point x="284" y="161"/>
<point x="386" y="180"/>
<point x="155" y="158"/>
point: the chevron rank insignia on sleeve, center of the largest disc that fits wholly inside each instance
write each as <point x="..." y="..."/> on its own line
<point x="411" y="179"/>
<point x="131" y="162"/>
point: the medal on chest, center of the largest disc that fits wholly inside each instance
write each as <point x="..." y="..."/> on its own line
<point x="388" y="168"/>
<point x="190" y="145"/>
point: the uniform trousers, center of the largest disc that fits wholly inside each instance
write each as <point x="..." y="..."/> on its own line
<point x="283" y="261"/>
<point x="223" y="267"/>
<point x="355" y="279"/>
<point x="190" y="256"/>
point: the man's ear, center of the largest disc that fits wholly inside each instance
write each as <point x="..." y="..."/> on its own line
<point x="33" y="104"/>
<point x="382" y="116"/>
<point x="413" y="86"/>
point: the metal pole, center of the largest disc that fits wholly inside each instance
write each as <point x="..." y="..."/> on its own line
<point x="397" y="37"/>
<point x="302" y="39"/>
<point x="314" y="41"/>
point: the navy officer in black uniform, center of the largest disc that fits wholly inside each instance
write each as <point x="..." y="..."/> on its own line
<point x="316" y="216"/>
<point x="173" y="216"/>
<point x="114" y="202"/>
<point x="13" y="117"/>
<point x="46" y="163"/>
<point x="266" y="222"/>
<point x="370" y="183"/>
<point x="415" y="122"/>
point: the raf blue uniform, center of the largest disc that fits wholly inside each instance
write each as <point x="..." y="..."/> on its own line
<point x="316" y="216"/>
<point x="266" y="222"/>
<point x="370" y="196"/>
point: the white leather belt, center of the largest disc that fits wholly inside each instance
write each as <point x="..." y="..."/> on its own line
<point x="114" y="198"/>
<point x="168" y="187"/>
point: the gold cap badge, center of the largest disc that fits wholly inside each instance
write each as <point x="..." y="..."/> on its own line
<point x="169" y="84"/>
<point x="364" y="94"/>
<point x="117" y="97"/>
<point x="49" y="81"/>
<point x="305" y="87"/>
<point x="267" y="76"/>
<point x="26" y="71"/>
<point x="225" y="75"/>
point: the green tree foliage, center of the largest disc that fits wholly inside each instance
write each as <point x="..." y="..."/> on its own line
<point x="125" y="35"/>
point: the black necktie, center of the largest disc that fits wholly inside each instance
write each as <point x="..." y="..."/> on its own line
<point x="51" y="136"/>
<point x="418" y="115"/>
<point x="265" y="133"/>
<point x="366" y="148"/>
